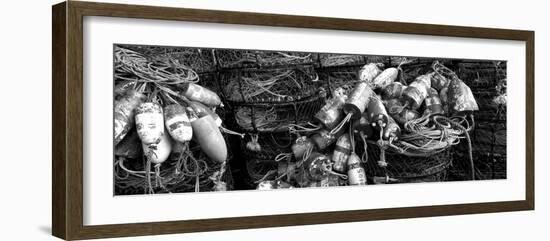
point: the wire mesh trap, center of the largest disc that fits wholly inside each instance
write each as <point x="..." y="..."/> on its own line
<point x="269" y="85"/>
<point x="276" y="117"/>
<point x="186" y="170"/>
<point x="201" y="60"/>
<point x="403" y="169"/>
<point x="266" y="146"/>
<point x="235" y="58"/>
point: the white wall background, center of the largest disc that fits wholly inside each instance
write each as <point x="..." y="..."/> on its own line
<point x="25" y="148"/>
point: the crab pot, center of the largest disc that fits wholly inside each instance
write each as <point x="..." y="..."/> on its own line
<point x="268" y="86"/>
<point x="342" y="150"/>
<point x="340" y="60"/>
<point x="404" y="169"/>
<point x="270" y="145"/>
<point x="274" y="117"/>
<point x="149" y="122"/>
<point x="177" y="123"/>
<point x="378" y="116"/>
<point x="200" y="60"/>
<point x="433" y="103"/>
<point x="358" y="100"/>
<point x="356" y="173"/>
<point x="239" y="58"/>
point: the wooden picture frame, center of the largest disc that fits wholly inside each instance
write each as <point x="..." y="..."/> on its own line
<point x="67" y="123"/>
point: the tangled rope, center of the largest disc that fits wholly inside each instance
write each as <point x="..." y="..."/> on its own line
<point x="130" y="64"/>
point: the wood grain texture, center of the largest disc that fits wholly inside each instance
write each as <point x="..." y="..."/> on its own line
<point x="67" y="136"/>
<point x="59" y="181"/>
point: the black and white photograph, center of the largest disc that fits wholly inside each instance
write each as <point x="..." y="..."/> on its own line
<point x="192" y="119"/>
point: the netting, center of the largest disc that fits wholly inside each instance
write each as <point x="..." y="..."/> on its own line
<point x="235" y="58"/>
<point x="276" y="117"/>
<point x="269" y="85"/>
<point x="270" y="145"/>
<point x="330" y="60"/>
<point x="343" y="70"/>
<point x="401" y="168"/>
<point x="183" y="172"/>
<point x="412" y="67"/>
<point x="198" y="59"/>
<point x="259" y="170"/>
<point x="487" y="79"/>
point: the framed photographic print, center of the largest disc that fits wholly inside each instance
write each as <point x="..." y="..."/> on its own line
<point x="216" y="120"/>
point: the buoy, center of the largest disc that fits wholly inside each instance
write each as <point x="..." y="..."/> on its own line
<point x="439" y="81"/>
<point x="318" y="166"/>
<point x="209" y="137"/>
<point x="362" y="127"/>
<point x="356" y="173"/>
<point x="149" y="122"/>
<point x="368" y="72"/>
<point x="177" y="123"/>
<point x="160" y="152"/>
<point x="358" y="100"/>
<point x="378" y="116"/>
<point x="433" y="103"/>
<point x="444" y="99"/>
<point x="301" y="146"/>
<point x="267" y="185"/>
<point x="331" y="114"/>
<point x="405" y="116"/>
<point x="341" y="153"/>
<point x="392" y="130"/>
<point x="124" y="112"/>
<point x="324" y="138"/>
<point x="201" y="94"/>
<point x="202" y="110"/>
<point x="460" y="98"/>
<point x="417" y="91"/>
<point x="392" y="91"/>
<point x="385" y="78"/>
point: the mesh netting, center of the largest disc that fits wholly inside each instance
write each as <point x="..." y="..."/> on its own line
<point x="401" y="168"/>
<point x="258" y="169"/>
<point x="336" y="77"/>
<point x="345" y="75"/>
<point x="276" y="117"/>
<point x="487" y="79"/>
<point x="271" y="144"/>
<point x="412" y="67"/>
<point x="269" y="85"/>
<point x="235" y="58"/>
<point x="329" y="60"/>
<point x="176" y="175"/>
<point x="200" y="60"/>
